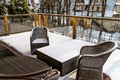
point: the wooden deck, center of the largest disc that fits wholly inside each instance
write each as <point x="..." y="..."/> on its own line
<point x="111" y="67"/>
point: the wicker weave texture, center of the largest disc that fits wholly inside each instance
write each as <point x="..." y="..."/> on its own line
<point x="39" y="38"/>
<point x="92" y="59"/>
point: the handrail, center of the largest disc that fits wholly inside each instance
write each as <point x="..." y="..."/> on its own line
<point x="61" y="15"/>
<point x="37" y="19"/>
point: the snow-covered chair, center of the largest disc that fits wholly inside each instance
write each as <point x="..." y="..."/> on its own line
<point x="39" y="38"/>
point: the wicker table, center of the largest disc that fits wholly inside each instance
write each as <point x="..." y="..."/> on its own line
<point x="64" y="65"/>
<point x="22" y="67"/>
<point x="62" y="56"/>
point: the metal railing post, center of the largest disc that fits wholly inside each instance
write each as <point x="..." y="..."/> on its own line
<point x="100" y="32"/>
<point x="39" y="20"/>
<point x="45" y="20"/>
<point x="35" y="20"/>
<point x="74" y="27"/>
<point x="6" y="24"/>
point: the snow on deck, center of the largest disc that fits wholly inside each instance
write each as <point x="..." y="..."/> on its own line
<point x="112" y="66"/>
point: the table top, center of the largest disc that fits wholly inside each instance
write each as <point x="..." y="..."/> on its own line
<point x="64" y="51"/>
<point x="19" y="66"/>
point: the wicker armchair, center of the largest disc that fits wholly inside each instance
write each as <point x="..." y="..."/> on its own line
<point x="26" y="68"/>
<point x="39" y="38"/>
<point x="92" y="59"/>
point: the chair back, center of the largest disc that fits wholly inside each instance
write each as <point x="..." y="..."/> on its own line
<point x="103" y="49"/>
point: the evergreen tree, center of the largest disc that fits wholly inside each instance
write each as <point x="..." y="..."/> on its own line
<point x="19" y="7"/>
<point x="12" y="7"/>
<point x="3" y="9"/>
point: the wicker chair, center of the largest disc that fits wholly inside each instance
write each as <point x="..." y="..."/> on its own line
<point x="39" y="38"/>
<point x="21" y="69"/>
<point x="92" y="59"/>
